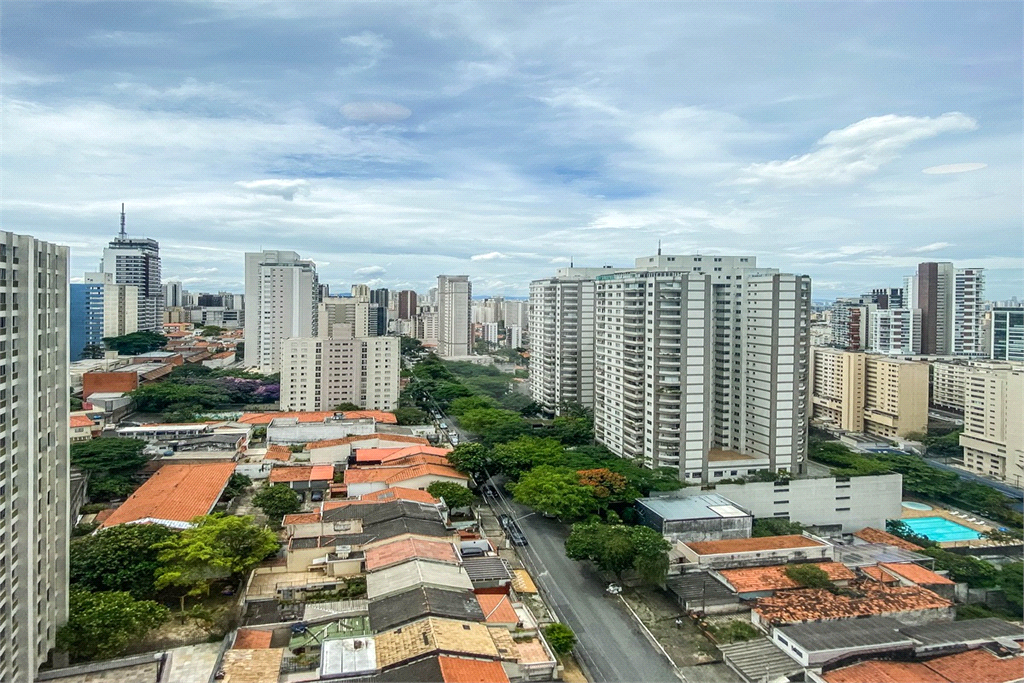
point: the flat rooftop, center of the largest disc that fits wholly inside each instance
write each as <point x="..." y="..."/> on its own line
<point x="701" y="506"/>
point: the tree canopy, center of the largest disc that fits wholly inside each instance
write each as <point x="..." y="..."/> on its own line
<point x="809" y="576"/>
<point x="454" y="496"/>
<point x="560" y="637"/>
<point x="411" y="416"/>
<point x="121" y="558"/>
<point x="110" y="462"/>
<point x="277" y="501"/>
<point x="101" y="625"/>
<point x="616" y="548"/>
<point x="555" y="491"/>
<point x="136" y="343"/>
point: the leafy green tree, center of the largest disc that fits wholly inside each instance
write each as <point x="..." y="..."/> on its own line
<point x="110" y="462"/>
<point x="92" y="351"/>
<point x="555" y="492"/>
<point x="494" y="425"/>
<point x="121" y="558"/>
<point x="346" y="407"/>
<point x="454" y="496"/>
<point x="411" y="416"/>
<point x="766" y="526"/>
<point x="212" y="330"/>
<point x="236" y="485"/>
<point x="809" y="576"/>
<point x="560" y="637"/>
<point x="650" y="554"/>
<point x="609" y="547"/>
<point x="101" y="625"/>
<point x="493" y="387"/>
<point x="216" y="547"/>
<point x="1011" y="580"/>
<point x="471" y="458"/>
<point x="573" y="430"/>
<point x="901" y="529"/>
<point x="160" y="396"/>
<point x="277" y="501"/>
<point x="461" y="406"/>
<point x="411" y="346"/>
<point x="135" y="343"/>
<point x="976" y="573"/>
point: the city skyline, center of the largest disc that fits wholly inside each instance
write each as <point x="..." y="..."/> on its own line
<point x="848" y="143"/>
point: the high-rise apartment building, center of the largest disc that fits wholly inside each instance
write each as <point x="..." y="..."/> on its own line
<point x="99" y="308"/>
<point x="380" y="296"/>
<point x="172" y="294"/>
<point x="34" y="461"/>
<point x="893" y="331"/>
<point x="406" y="304"/>
<point x="137" y="262"/>
<point x="849" y="321"/>
<point x="455" y="334"/>
<point x="968" y="297"/>
<point x="948" y="384"/>
<point x="1006" y="339"/>
<point x="346" y="310"/>
<point x="361" y="292"/>
<point x="701" y="364"/>
<point x="281" y="291"/>
<point x="949" y="302"/>
<point x="993" y="435"/>
<point x="517" y="313"/>
<point x="513" y="336"/>
<point x="322" y="372"/>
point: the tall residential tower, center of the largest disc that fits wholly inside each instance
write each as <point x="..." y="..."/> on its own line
<point x="281" y="293"/>
<point x="137" y="262"/>
<point x="455" y="336"/>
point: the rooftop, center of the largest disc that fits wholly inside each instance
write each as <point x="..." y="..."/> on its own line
<point x="392" y="475"/>
<point x="277" y="452"/>
<point x="458" y="670"/>
<point x="175" y="494"/>
<point x="415" y="573"/>
<point x="497" y="608"/>
<point x="348" y="657"/>
<point x="487" y="569"/>
<point x="252" y="666"/>
<point x="877" y="574"/>
<point x="813" y="604"/>
<point x="753" y="545"/>
<point x="423" y="601"/>
<point x="876" y="553"/>
<point x="872" y="535"/>
<point x="384" y="455"/>
<point x="407" y="549"/>
<point x="847" y="633"/>
<point x="701" y="506"/>
<point x="280" y="475"/>
<point x="431" y="635"/>
<point x="973" y="666"/>
<point x="754" y="579"/>
<point x="970" y="630"/>
<point x="394" y="438"/>
<point x="252" y="639"/>
<point x="80" y="421"/>
<point x="917" y="574"/>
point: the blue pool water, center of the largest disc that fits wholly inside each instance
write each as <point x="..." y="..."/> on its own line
<point x="940" y="529"/>
<point x="909" y="504"/>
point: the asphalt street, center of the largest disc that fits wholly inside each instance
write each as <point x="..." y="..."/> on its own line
<point x="610" y="642"/>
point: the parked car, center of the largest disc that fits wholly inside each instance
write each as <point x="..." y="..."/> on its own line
<point x="443" y="425"/>
<point x="473" y="552"/>
<point x="516" y="537"/>
<point x="316" y="496"/>
<point x="505" y="521"/>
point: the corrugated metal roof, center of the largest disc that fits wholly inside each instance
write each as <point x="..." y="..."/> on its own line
<point x="414" y="573"/>
<point x="846" y="633"/>
<point x="693" y="507"/>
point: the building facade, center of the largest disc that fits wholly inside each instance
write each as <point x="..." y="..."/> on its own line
<point x="172" y="294"/>
<point x="850" y="324"/>
<point x="1007" y="334"/>
<point x="320" y="373"/>
<point x="993" y="435"/>
<point x="100" y="308"/>
<point x="455" y="334"/>
<point x="948" y="383"/>
<point x="281" y="291"/>
<point x="893" y="331"/>
<point x="137" y="262"/>
<point x="968" y="299"/>
<point x="949" y="302"/>
<point x="406" y="304"/>
<point x="35" y="511"/>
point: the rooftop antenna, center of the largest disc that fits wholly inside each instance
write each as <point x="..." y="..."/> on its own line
<point x="570" y="261"/>
<point x="659" y="247"/>
<point x="123" y="235"/>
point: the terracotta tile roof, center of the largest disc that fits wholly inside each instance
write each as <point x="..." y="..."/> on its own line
<point x="878" y="575"/>
<point x="387" y="495"/>
<point x="378" y="415"/>
<point x="396" y="552"/>
<point x="277" y="452"/>
<point x="532" y="651"/>
<point x="392" y="475"/>
<point x="396" y="438"/>
<point x="280" y="475"/>
<point x="917" y="574"/>
<point x="456" y="670"/>
<point x="252" y="666"/>
<point x="497" y="609"/>
<point x="973" y="666"/>
<point x="80" y="421"/>
<point x="872" y="535"/>
<point x="751" y="545"/>
<point x="266" y="418"/>
<point x="422" y="637"/>
<point x="386" y="455"/>
<point x="752" y="579"/>
<point x="884" y="672"/>
<point x="175" y="493"/>
<point x="508" y="648"/>
<point x="301" y="518"/>
<point x="794" y="606"/>
<point x="252" y="639"/>
<point x="223" y="354"/>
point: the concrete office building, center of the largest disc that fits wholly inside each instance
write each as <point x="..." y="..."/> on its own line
<point x="993" y="436"/>
<point x="406" y="304"/>
<point x="455" y="333"/>
<point x="320" y="373"/>
<point x="137" y="262"/>
<point x="281" y="290"/>
<point x="699" y="358"/>
<point x="1007" y="334"/>
<point x="561" y="322"/>
<point x="850" y="324"/>
<point x="34" y="462"/>
<point x="99" y="308"/>
<point x="874" y="394"/>
<point x="172" y="295"/>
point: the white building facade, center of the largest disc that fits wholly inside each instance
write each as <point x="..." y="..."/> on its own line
<point x="281" y="291"/>
<point x="993" y="435"/>
<point x="137" y="262"/>
<point x="319" y="373"/>
<point x="455" y="333"/>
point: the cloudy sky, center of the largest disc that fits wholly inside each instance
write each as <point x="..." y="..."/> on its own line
<point x="395" y="142"/>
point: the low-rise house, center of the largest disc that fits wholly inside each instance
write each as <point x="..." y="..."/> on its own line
<point x="367" y="480"/>
<point x="488" y="572"/>
<point x="401" y="550"/>
<point x="872" y="554"/>
<point x="303" y="478"/>
<point x="303" y="523"/>
<point x="251" y="666"/>
<point x="174" y="495"/>
<point x="422" y="601"/>
<point x="408" y="575"/>
<point x="499" y="610"/>
<point x="339" y="450"/>
<point x="819" y="643"/>
<point x="909" y="574"/>
<point x="759" y="582"/>
<point x="974" y="666"/>
<point x="703" y="517"/>
<point x="397" y="457"/>
<point x="81" y="427"/>
<point x="701" y="593"/>
<point x="753" y="552"/>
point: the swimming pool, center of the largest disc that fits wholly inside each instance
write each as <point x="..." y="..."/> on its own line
<point x="940" y="529"/>
<point x="911" y="505"/>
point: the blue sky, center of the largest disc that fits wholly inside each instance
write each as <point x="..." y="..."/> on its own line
<point x="394" y="142"/>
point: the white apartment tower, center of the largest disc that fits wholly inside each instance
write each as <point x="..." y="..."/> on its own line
<point x="455" y="333"/>
<point x="345" y="310"/>
<point x="322" y="372"/>
<point x="281" y="291"/>
<point x="893" y="331"/>
<point x="34" y="460"/>
<point x="701" y="364"/>
<point x="949" y="303"/>
<point x="137" y="262"/>
<point x="172" y="294"/>
<point x="993" y="436"/>
<point x="968" y="300"/>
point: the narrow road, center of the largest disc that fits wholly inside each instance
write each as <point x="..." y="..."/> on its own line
<point x="609" y="640"/>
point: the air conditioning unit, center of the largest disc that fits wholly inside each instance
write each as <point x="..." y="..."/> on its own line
<point x="342" y="551"/>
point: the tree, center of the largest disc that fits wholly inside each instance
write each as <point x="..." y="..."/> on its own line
<point x="101" y="625"/>
<point x="121" y="558"/>
<point x="471" y="458"/>
<point x="346" y="407"/>
<point x="212" y="330"/>
<point x="766" y="526"/>
<point x="494" y="425"/>
<point x="160" y="396"/>
<point x="454" y="496"/>
<point x="1011" y="580"/>
<point x="650" y="554"/>
<point x="135" y="343"/>
<point x="236" y="485"/>
<point x="976" y="573"/>
<point x="616" y="548"/>
<point x="461" y="406"/>
<point x="216" y="547"/>
<point x="573" y="430"/>
<point x="110" y="462"/>
<point x="560" y="637"/>
<point x="809" y="576"/>
<point x="92" y="351"/>
<point x="411" y="416"/>
<point x="411" y="346"/>
<point x="555" y="491"/>
<point x="277" y="501"/>
<point x="604" y="482"/>
<point x="901" y="529"/>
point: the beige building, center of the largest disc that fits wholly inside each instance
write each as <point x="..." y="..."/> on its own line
<point x="859" y="392"/>
<point x="948" y="382"/>
<point x="993" y="436"/>
<point x="320" y="373"/>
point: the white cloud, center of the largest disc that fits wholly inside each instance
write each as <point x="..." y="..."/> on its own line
<point x="285" y="189"/>
<point x="368" y="40"/>
<point x="370" y="270"/>
<point x="934" y="246"/>
<point x="375" y="112"/>
<point x="490" y="256"/>
<point x="953" y="168"/>
<point x="845" y="155"/>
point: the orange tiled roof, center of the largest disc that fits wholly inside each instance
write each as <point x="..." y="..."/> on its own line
<point x="277" y="452"/>
<point x="753" y="579"/>
<point x="391" y="475"/>
<point x="80" y="421"/>
<point x="387" y="495"/>
<point x="397" y="438"/>
<point x="409" y="549"/>
<point x="103" y="515"/>
<point x="884" y="672"/>
<point x="973" y="666"/>
<point x="878" y="575"/>
<point x="387" y="455"/>
<point x="751" y="545"/>
<point x="872" y="535"/>
<point x="916" y="573"/>
<point x="813" y="604"/>
<point x="175" y="493"/>
<point x="378" y="415"/>
<point x="497" y="608"/>
<point x="301" y="518"/>
<point x="458" y="670"/>
<point x="252" y="639"/>
<point x="280" y="475"/>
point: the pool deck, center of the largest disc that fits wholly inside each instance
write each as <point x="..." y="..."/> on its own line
<point x="980" y="526"/>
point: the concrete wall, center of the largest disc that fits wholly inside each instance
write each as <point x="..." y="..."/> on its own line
<point x="714" y="529"/>
<point x="855" y="503"/>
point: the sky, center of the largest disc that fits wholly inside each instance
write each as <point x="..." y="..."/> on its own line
<point x="393" y="142"/>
